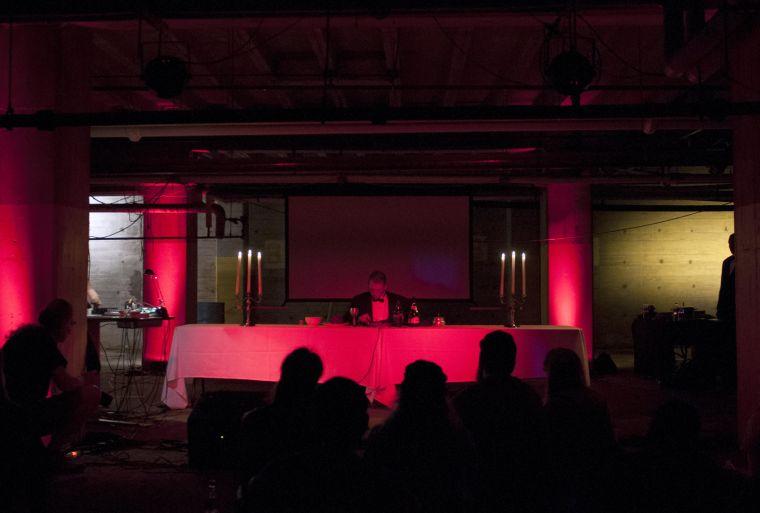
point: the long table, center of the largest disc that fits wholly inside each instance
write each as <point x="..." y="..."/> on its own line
<point x="375" y="357"/>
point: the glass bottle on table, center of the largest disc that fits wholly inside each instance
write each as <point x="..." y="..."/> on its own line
<point x="414" y="314"/>
<point x="398" y="315"/>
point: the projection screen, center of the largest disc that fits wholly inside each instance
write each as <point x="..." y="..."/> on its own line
<point x="422" y="243"/>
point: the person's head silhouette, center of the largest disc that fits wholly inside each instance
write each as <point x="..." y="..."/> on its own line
<point x="497" y="356"/>
<point x="564" y="371"/>
<point x="339" y="414"/>
<point x="58" y="319"/>
<point x="732" y="243"/>
<point x="299" y="375"/>
<point x="423" y="391"/>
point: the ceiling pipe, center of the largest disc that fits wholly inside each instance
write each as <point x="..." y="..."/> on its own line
<point x="216" y="211"/>
<point x="210" y="209"/>
<point x="495" y="176"/>
<point x="694" y="112"/>
<point x="141" y="208"/>
<point x="405" y="127"/>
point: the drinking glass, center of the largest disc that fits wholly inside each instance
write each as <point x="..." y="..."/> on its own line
<point x="354" y="312"/>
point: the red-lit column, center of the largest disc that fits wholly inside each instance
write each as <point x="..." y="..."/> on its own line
<point x="746" y="144"/>
<point x="570" y="255"/>
<point x="45" y="182"/>
<point x="166" y="255"/>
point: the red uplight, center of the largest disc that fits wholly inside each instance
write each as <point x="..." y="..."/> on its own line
<point x="525" y="149"/>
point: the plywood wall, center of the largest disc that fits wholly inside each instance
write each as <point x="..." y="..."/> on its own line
<point x="677" y="261"/>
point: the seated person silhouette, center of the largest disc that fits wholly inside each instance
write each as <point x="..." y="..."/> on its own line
<point x="280" y="428"/>
<point x="502" y="415"/>
<point x="31" y="362"/>
<point x="377" y="304"/>
<point x="579" y="439"/>
<point x="419" y="460"/>
<point x="326" y="476"/>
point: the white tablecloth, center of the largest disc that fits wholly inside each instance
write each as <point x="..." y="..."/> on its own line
<point x="375" y="357"/>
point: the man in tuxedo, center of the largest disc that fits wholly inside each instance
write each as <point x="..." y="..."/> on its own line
<point x="726" y="299"/>
<point x="377" y="304"/>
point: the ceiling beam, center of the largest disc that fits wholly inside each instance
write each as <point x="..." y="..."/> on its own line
<point x="390" y="38"/>
<point x="460" y="49"/>
<point x="467" y="14"/>
<point x="255" y="56"/>
<point x="328" y="63"/>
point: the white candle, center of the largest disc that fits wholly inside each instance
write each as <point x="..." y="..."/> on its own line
<point x="512" y="275"/>
<point x="501" y="276"/>
<point x="248" y="276"/>
<point x="523" y="275"/>
<point x="258" y="272"/>
<point x="237" y="274"/>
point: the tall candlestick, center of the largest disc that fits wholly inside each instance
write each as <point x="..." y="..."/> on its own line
<point x="237" y="274"/>
<point x="512" y="275"/>
<point x="501" y="276"/>
<point x="523" y="275"/>
<point x="258" y="272"/>
<point x="248" y="276"/>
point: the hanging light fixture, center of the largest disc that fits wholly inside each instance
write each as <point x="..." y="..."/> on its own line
<point x="569" y="63"/>
<point x="166" y="75"/>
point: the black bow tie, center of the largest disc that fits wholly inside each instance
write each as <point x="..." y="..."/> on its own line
<point x="378" y="300"/>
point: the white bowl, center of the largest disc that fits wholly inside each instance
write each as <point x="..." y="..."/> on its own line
<point x="313" y="321"/>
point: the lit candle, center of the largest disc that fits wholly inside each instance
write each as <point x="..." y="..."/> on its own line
<point x="237" y="274"/>
<point x="248" y="276"/>
<point x="512" y="275"/>
<point x="523" y="275"/>
<point x="258" y="272"/>
<point x="501" y="276"/>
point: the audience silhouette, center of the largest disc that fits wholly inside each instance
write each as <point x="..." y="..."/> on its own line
<point x="497" y="449"/>
<point x="32" y="361"/>
<point x="280" y="428"/>
<point x="502" y="414"/>
<point x="578" y="436"/>
<point x="327" y="474"/>
<point x="419" y="461"/>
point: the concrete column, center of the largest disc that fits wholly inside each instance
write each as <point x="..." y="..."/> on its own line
<point x="570" y="257"/>
<point x="168" y="259"/>
<point x="746" y="85"/>
<point x="45" y="182"/>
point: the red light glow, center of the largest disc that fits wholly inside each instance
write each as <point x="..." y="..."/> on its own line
<point x="27" y="227"/>
<point x="168" y="260"/>
<point x="526" y="149"/>
<point x="570" y="257"/>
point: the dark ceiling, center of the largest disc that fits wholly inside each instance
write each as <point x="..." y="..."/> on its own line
<point x="427" y="92"/>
